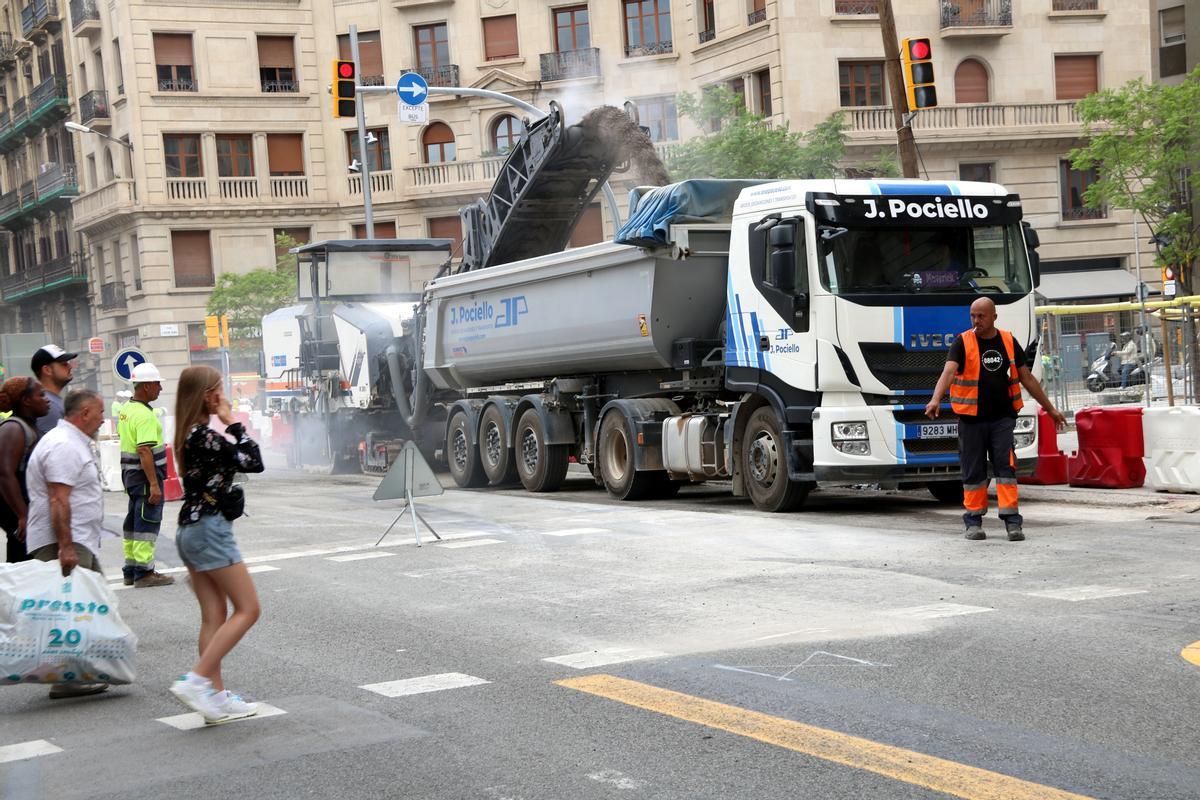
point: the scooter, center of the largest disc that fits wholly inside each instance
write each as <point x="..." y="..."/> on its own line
<point x="1106" y="375"/>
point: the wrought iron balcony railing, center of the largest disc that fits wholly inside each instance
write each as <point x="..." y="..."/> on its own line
<point x="94" y="106"/>
<point x="445" y="75"/>
<point x="277" y="87"/>
<point x="855" y="7"/>
<point x="176" y="85"/>
<point x="1075" y="5"/>
<point x="649" y="49"/>
<point x="567" y="64"/>
<point x="755" y="17"/>
<point x="83" y="12"/>
<point x="112" y="296"/>
<point x="977" y="14"/>
<point x="707" y="35"/>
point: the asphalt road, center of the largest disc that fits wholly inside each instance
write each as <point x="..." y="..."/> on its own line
<point x="567" y="646"/>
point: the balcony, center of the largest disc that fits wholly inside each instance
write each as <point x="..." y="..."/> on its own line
<point x="93" y="108"/>
<point x="53" y="187"/>
<point x="567" y="64"/>
<point x="176" y="85"/>
<point x="188" y="189"/>
<point x="381" y="182"/>
<point x="707" y="35"/>
<point x="453" y="176"/>
<point x="85" y="16"/>
<point x="649" y="49"/>
<point x="377" y="80"/>
<point x="757" y="16"/>
<point x="56" y="182"/>
<point x="289" y="187"/>
<point x="238" y="188"/>
<point x="57" y="273"/>
<point x="8" y="52"/>
<point x="112" y="199"/>
<point x="280" y="87"/>
<point x="976" y="17"/>
<point x="39" y="18"/>
<point x="445" y="75"/>
<point x="967" y="122"/>
<point x="1075" y="5"/>
<point x="49" y="102"/>
<point x="851" y="8"/>
<point x="112" y="296"/>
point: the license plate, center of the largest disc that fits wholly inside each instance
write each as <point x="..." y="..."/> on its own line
<point x="939" y="430"/>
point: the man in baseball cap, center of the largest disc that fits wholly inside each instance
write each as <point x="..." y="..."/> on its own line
<point x="52" y="368"/>
<point x="143" y="472"/>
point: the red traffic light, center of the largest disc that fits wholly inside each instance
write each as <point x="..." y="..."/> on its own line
<point x="919" y="49"/>
<point x="345" y="70"/>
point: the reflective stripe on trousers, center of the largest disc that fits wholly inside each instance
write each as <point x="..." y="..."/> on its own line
<point x="139" y="548"/>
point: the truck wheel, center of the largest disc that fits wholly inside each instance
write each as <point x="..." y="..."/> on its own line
<point x="764" y="465"/>
<point x="541" y="467"/>
<point x="499" y="461"/>
<point x="615" y="452"/>
<point x="462" y="458"/>
<point x="947" y="492"/>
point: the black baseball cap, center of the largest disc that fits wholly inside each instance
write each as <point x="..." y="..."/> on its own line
<point x="48" y="355"/>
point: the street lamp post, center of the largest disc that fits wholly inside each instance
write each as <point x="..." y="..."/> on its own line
<point x="77" y="128"/>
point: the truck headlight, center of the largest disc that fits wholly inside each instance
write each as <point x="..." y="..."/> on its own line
<point x="1023" y="432"/>
<point x="851" y="438"/>
<point x="1025" y="424"/>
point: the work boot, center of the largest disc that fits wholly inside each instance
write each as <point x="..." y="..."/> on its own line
<point x="1015" y="534"/>
<point x="975" y="533"/>
<point x="60" y="691"/>
<point x="153" y="579"/>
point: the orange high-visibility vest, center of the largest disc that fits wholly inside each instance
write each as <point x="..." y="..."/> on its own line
<point x="964" y="389"/>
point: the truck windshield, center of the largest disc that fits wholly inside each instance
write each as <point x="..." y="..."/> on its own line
<point x="973" y="260"/>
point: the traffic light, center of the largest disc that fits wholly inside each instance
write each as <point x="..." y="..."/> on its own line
<point x="917" y="61"/>
<point x="212" y="332"/>
<point x="343" y="89"/>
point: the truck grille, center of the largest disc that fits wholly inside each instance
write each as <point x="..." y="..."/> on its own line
<point x="903" y="370"/>
<point x="926" y="446"/>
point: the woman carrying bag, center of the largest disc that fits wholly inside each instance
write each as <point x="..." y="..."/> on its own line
<point x="211" y="501"/>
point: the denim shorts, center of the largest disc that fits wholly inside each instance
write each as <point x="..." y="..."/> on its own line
<point x="207" y="544"/>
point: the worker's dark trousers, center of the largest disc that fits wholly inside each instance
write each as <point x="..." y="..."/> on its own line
<point x="979" y="443"/>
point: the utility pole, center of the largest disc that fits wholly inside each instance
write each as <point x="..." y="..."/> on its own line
<point x="365" y="165"/>
<point x="891" y="53"/>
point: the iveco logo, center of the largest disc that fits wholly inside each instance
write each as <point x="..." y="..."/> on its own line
<point x="992" y="360"/>
<point x="930" y="341"/>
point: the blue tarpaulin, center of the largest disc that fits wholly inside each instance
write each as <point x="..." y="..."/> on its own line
<point x="652" y="214"/>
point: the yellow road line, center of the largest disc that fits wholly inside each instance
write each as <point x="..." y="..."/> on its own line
<point x="1192" y="653"/>
<point x="908" y="766"/>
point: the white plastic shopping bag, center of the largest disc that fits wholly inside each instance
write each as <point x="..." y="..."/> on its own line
<point x="61" y="630"/>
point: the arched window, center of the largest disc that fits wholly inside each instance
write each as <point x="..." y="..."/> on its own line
<point x="438" y="141"/>
<point x="506" y="130"/>
<point x="971" y="82"/>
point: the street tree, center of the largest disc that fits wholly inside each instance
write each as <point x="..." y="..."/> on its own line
<point x="741" y="144"/>
<point x="249" y="296"/>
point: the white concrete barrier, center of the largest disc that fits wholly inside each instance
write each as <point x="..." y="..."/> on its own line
<point x="110" y="465"/>
<point x="1172" y="447"/>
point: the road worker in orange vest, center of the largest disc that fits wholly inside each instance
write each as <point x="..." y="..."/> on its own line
<point x="985" y="370"/>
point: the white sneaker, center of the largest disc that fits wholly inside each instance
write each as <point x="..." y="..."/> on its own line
<point x="232" y="706"/>
<point x="199" y="697"/>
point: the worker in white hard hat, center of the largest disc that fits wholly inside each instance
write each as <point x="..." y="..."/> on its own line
<point x="123" y="397"/>
<point x="143" y="472"/>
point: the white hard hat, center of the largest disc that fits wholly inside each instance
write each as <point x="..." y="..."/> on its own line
<point x="145" y="373"/>
<point x="124" y="394"/>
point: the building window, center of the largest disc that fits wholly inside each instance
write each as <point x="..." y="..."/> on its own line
<point x="766" y="106"/>
<point x="235" y="156"/>
<point x="971" y="82"/>
<point x="647" y="27"/>
<point x="447" y="228"/>
<point x="660" y="116"/>
<point x="983" y="173"/>
<point x="370" y="55"/>
<point x="758" y="12"/>
<point x="708" y="21"/>
<point x="298" y="235"/>
<point x="500" y="37"/>
<point x="285" y="154"/>
<point x="861" y="83"/>
<point x="182" y="155"/>
<point x="590" y="228"/>
<point x="1074" y="183"/>
<point x="1075" y="77"/>
<point x="135" y="262"/>
<point x="277" y="64"/>
<point x="506" y="132"/>
<point x="432" y="46"/>
<point x="571" y="30"/>
<point x="191" y="254"/>
<point x="1172" y="49"/>
<point x="384" y="229"/>
<point x="438" y="143"/>
<point x="118" y="68"/>
<point x="1171" y="25"/>
<point x="173" y="62"/>
<point x="379" y="151"/>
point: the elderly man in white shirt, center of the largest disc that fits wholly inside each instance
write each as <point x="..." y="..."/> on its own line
<point x="66" y="501"/>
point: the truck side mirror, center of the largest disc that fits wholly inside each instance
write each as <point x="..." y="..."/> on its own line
<point x="1032" y="242"/>
<point x="782" y="265"/>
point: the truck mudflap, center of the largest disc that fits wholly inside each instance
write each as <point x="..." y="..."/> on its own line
<point x="557" y="424"/>
<point x="901" y="473"/>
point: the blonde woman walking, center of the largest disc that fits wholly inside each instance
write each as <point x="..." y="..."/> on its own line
<point x="207" y="464"/>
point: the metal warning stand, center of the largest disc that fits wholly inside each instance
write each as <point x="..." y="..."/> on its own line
<point x="409" y="477"/>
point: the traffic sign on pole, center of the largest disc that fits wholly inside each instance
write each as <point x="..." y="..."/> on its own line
<point x="412" y="89"/>
<point x="126" y="360"/>
<point x="414" y="114"/>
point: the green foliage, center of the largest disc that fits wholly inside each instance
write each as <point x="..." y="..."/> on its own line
<point x="248" y="297"/>
<point x="745" y="145"/>
<point x="1144" y="141"/>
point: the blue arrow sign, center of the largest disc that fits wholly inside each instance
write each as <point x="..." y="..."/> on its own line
<point x="126" y="360"/>
<point x="412" y="89"/>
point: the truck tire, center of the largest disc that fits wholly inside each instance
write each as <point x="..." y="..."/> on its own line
<point x="615" y="454"/>
<point x="765" y="467"/>
<point x="462" y="458"/>
<point x="948" y="493"/>
<point x="541" y="467"/>
<point x="498" y="459"/>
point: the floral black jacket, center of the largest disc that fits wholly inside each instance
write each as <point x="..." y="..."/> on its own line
<point x="211" y="464"/>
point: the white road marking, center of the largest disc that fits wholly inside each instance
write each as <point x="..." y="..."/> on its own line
<point x="1074" y="594"/>
<point x="18" y="752"/>
<point x="471" y="543"/>
<point x="600" y="658"/>
<point x="193" y="721"/>
<point x="790" y="633"/>
<point x="616" y="778"/>
<point x="262" y="568"/>
<point x="936" y="611"/>
<point x="359" y="557"/>
<point x="426" y="683"/>
<point x="574" y="531"/>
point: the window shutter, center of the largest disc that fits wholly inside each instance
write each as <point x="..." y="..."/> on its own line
<point x="447" y="228"/>
<point x="500" y="37"/>
<point x="276" y="52"/>
<point x="344" y="47"/>
<point x="285" y="153"/>
<point x="192" y="255"/>
<point x="174" y="49"/>
<point x="971" y="82"/>
<point x="383" y="230"/>
<point x="590" y="229"/>
<point x="1075" y="76"/>
<point x="370" y="53"/>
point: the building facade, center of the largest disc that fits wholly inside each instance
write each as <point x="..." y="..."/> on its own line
<point x="225" y="108"/>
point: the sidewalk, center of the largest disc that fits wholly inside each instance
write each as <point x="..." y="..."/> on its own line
<point x="1141" y="496"/>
